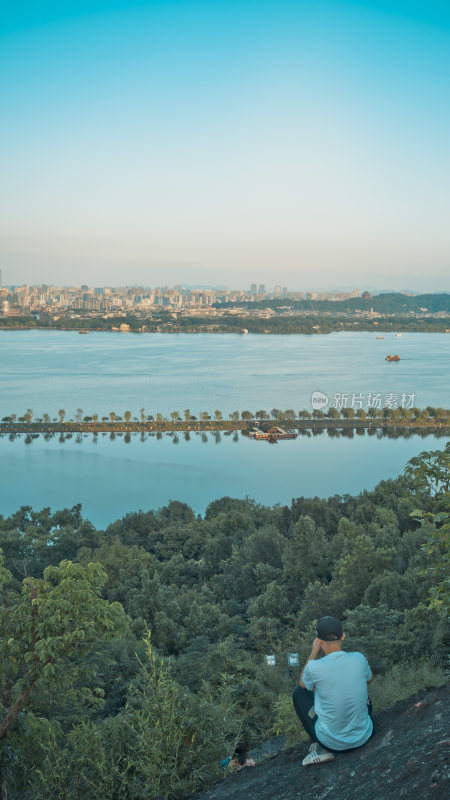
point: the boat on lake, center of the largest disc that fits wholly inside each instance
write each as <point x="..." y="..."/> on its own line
<point x="256" y="433"/>
<point x="83" y="330"/>
<point x="393" y="358"/>
<point x="271" y="434"/>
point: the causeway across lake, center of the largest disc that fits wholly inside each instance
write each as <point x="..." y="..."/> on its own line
<point x="103" y="372"/>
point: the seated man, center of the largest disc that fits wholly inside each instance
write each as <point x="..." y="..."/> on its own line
<point x="331" y="700"/>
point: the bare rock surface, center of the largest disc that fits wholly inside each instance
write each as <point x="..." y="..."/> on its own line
<point x="406" y="758"/>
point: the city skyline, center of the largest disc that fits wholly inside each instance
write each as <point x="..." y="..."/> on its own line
<point x="293" y="143"/>
<point x="255" y="288"/>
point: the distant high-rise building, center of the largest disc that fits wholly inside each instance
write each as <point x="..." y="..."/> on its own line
<point x="277" y="291"/>
<point x="261" y="289"/>
<point x="253" y="288"/>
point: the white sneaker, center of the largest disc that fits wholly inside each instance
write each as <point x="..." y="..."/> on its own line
<point x="317" y="755"/>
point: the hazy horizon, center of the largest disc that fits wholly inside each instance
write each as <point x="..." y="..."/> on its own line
<point x="374" y="290"/>
<point x="297" y="143"/>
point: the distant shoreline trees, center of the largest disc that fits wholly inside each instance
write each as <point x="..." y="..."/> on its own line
<point x="382" y="313"/>
<point x="334" y="418"/>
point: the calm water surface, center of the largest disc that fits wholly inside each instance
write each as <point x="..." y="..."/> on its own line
<point x="102" y="372"/>
<point x="111" y="478"/>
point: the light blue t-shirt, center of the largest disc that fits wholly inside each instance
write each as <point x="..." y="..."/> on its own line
<point x="339" y="682"/>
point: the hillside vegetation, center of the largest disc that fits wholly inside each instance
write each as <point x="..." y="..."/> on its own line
<point x="131" y="659"/>
<point x="385" y="303"/>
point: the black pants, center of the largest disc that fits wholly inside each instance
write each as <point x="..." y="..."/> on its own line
<point x="303" y="701"/>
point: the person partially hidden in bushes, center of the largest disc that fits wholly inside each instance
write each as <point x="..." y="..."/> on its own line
<point x="239" y="759"/>
<point x="332" y="701"/>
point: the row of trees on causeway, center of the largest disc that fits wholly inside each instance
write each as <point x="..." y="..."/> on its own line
<point x="428" y="415"/>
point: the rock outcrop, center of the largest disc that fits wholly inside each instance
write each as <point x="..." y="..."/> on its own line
<point x="406" y="758"/>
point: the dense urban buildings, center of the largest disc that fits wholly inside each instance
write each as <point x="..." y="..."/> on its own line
<point x="189" y="309"/>
<point x="63" y="299"/>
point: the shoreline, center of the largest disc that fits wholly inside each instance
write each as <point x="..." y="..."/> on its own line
<point x="307" y="323"/>
<point x="224" y="331"/>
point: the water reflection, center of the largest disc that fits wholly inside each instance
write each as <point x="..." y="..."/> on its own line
<point x="112" y="478"/>
<point x="216" y="436"/>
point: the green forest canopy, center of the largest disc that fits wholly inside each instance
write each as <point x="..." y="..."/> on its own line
<point x="94" y="708"/>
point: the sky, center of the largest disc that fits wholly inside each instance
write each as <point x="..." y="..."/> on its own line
<point x="225" y="142"/>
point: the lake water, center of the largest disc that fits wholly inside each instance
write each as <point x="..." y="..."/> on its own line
<point x="100" y="372"/>
<point x="49" y="370"/>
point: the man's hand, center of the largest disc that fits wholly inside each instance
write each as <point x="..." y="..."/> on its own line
<point x="315" y="649"/>
<point x="312" y="657"/>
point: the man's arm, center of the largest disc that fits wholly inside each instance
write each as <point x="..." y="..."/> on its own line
<point x="312" y="657"/>
<point x="368" y="672"/>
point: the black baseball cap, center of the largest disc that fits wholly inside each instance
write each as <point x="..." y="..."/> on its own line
<point x="328" y="628"/>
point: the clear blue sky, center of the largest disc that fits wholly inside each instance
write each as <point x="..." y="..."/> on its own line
<point x="225" y="142"/>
